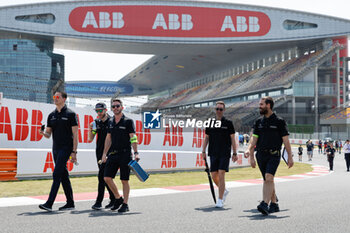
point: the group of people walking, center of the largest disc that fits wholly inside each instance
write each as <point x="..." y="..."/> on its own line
<point x="116" y="140"/>
<point x="329" y="150"/>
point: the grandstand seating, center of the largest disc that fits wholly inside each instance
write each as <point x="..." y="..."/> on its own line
<point x="272" y="77"/>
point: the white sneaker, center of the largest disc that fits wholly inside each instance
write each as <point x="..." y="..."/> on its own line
<point x="225" y="195"/>
<point x="219" y="204"/>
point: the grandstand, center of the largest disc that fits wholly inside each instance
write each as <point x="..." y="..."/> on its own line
<point x="284" y="79"/>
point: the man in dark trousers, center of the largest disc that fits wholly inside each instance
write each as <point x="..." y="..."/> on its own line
<point x="62" y="123"/>
<point x="99" y="127"/>
<point x="119" y="140"/>
<point x="330" y="155"/>
<point x="347" y="154"/>
<point x="220" y="141"/>
<point x="269" y="132"/>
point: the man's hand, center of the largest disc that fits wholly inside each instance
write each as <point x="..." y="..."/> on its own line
<point x="90" y="127"/>
<point x="234" y="158"/>
<point x="246" y="154"/>
<point x="252" y="162"/>
<point x="104" y="158"/>
<point x="137" y="157"/>
<point x="73" y="157"/>
<point x="41" y="132"/>
<point x="290" y="162"/>
<point x="204" y="156"/>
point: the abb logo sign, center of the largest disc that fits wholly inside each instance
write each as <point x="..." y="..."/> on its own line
<point x="198" y="137"/>
<point x="168" y="160"/>
<point x="175" y="138"/>
<point x="22" y="125"/>
<point x="49" y="164"/>
<point x="87" y="121"/>
<point x="169" y="21"/>
<point x="143" y="137"/>
<point x="30" y="124"/>
<point x="200" y="161"/>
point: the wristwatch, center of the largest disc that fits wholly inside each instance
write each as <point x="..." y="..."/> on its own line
<point x="75" y="152"/>
<point x="136" y="153"/>
<point x="234" y="154"/>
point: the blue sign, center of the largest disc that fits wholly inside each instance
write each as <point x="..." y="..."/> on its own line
<point x="98" y="89"/>
<point x="152" y="120"/>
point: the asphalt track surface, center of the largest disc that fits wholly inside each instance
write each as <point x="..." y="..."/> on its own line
<point x="320" y="204"/>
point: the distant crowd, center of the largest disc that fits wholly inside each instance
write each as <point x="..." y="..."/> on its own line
<point x="329" y="148"/>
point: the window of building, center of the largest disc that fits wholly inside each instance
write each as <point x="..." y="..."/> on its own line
<point x="297" y="25"/>
<point x="274" y="93"/>
<point x="38" y="18"/>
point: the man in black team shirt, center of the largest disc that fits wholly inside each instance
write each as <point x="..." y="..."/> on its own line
<point x="62" y="123"/>
<point x="99" y="127"/>
<point x="269" y="132"/>
<point x="119" y="140"/>
<point x="220" y="142"/>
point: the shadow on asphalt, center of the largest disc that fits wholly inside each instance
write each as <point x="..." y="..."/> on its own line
<point x="258" y="216"/>
<point x="94" y="214"/>
<point x="211" y="209"/>
<point x="40" y="213"/>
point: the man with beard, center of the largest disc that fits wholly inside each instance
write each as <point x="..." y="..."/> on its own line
<point x="269" y="132"/>
<point x="119" y="140"/>
<point x="99" y="127"/>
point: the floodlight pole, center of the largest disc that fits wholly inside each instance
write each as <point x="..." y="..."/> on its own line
<point x="338" y="78"/>
<point x="316" y="99"/>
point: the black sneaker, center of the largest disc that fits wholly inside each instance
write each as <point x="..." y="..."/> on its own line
<point x="97" y="206"/>
<point x="124" y="208"/>
<point x="67" y="207"/>
<point x="45" y="207"/>
<point x="273" y="208"/>
<point x="263" y="208"/>
<point x="117" y="203"/>
<point x="110" y="204"/>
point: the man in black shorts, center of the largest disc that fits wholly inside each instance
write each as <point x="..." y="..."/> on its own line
<point x="120" y="137"/>
<point x="99" y="127"/>
<point x="220" y="142"/>
<point x="269" y="132"/>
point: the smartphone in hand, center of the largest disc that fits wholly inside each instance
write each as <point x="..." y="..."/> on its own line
<point x="42" y="127"/>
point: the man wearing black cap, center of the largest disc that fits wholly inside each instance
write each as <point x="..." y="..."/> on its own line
<point x="62" y="123"/>
<point x="99" y="127"/>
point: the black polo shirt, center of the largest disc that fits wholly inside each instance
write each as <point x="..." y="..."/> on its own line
<point x="331" y="151"/>
<point x="220" y="139"/>
<point x="101" y="133"/>
<point x="270" y="132"/>
<point x="120" y="133"/>
<point x="61" y="124"/>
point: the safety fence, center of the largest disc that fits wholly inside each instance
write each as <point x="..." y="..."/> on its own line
<point x="8" y="164"/>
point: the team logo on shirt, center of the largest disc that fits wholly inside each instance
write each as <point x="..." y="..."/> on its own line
<point x="152" y="120"/>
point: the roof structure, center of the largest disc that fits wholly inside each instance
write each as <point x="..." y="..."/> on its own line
<point x="190" y="39"/>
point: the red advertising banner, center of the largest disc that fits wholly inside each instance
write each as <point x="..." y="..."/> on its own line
<point x="169" y="21"/>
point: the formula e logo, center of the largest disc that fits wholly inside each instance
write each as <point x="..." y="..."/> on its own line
<point x="151" y="120"/>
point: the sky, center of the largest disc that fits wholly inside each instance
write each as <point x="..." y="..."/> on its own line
<point x="112" y="67"/>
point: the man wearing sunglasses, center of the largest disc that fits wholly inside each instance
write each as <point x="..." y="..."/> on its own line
<point x="99" y="127"/>
<point x="269" y="132"/>
<point x="220" y="141"/>
<point x="119" y="140"/>
<point x="62" y="123"/>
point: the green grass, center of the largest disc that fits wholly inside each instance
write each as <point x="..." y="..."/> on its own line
<point x="89" y="184"/>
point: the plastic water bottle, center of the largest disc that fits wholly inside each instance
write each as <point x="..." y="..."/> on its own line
<point x="94" y="128"/>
